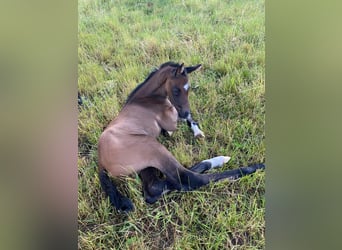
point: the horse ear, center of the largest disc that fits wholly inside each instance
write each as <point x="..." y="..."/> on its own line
<point x="193" y="68"/>
<point x="180" y="69"/>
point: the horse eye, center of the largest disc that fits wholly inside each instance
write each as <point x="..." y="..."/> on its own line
<point x="176" y="91"/>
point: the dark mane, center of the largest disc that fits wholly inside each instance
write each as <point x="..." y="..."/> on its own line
<point x="170" y="63"/>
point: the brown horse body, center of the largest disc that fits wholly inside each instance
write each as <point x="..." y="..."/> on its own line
<point x="129" y="145"/>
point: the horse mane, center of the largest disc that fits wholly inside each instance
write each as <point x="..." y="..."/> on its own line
<point x="170" y="63"/>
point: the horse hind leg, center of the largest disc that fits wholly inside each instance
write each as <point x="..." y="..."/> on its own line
<point x="237" y="173"/>
<point x="187" y="180"/>
<point x="154" y="185"/>
<point x="208" y="164"/>
<point x="120" y="202"/>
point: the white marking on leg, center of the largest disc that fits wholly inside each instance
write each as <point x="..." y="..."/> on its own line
<point x="170" y="133"/>
<point x="197" y="131"/>
<point x="194" y="127"/>
<point x="218" y="161"/>
<point x="186" y="86"/>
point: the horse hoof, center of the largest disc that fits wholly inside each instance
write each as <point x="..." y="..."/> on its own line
<point x="226" y="159"/>
<point x="218" y="161"/>
<point x="126" y="206"/>
<point x="199" y="135"/>
<point x="151" y="199"/>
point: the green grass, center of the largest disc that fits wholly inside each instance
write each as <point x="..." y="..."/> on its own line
<point x="120" y="42"/>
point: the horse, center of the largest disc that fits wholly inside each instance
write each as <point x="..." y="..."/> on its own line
<point x="129" y="144"/>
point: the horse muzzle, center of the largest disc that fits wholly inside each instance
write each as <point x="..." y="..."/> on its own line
<point x="183" y="114"/>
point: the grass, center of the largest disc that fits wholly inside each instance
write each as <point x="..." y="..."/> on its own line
<point x="120" y="42"/>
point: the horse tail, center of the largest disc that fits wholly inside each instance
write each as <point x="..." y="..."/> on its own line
<point x="120" y="202"/>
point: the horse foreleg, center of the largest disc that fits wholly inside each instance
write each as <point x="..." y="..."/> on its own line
<point x="194" y="127"/>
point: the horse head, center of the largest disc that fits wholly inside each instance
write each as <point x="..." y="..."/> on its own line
<point x="177" y="88"/>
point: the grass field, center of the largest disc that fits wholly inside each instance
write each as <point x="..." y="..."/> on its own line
<point x="120" y="43"/>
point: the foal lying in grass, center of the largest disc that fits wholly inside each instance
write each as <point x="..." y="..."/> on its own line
<point x="129" y="145"/>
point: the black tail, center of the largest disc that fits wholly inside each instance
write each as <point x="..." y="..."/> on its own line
<point x="120" y="202"/>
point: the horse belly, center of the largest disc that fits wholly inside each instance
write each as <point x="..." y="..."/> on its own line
<point x="123" y="164"/>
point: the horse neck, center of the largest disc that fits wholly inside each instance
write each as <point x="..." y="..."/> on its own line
<point x="155" y="86"/>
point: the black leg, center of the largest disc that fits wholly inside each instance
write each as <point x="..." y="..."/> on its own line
<point x="120" y="202"/>
<point x="183" y="179"/>
<point x="239" y="172"/>
<point x="187" y="180"/>
<point x="214" y="162"/>
<point x="201" y="167"/>
<point x="154" y="185"/>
